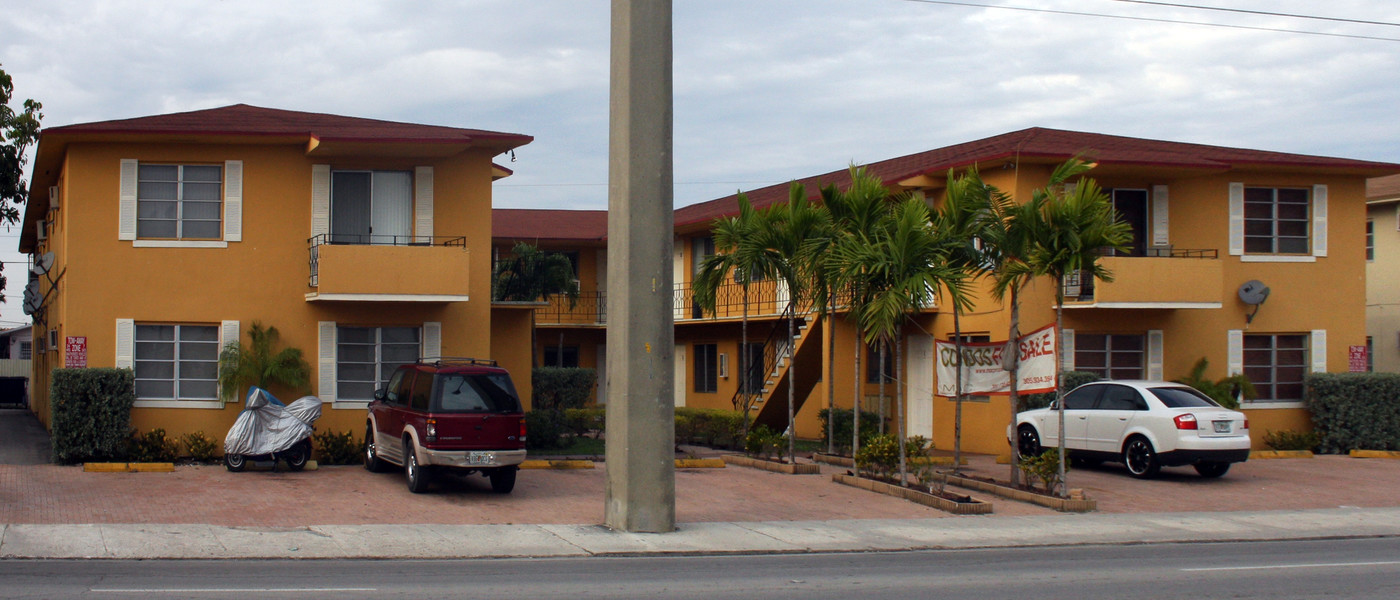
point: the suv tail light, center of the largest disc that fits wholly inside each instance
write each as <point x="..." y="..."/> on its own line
<point x="522" y="432"/>
<point x="431" y="432"/>
<point x="1186" y="421"/>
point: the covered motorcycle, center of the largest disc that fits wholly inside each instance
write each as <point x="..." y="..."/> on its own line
<point x="268" y="430"/>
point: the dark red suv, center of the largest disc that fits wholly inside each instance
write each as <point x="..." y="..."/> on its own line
<point x="461" y="414"/>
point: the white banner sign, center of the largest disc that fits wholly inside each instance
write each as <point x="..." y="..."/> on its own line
<point x="982" y="372"/>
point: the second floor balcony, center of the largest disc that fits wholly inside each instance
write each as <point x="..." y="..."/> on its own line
<point x="369" y="268"/>
<point x="1165" y="278"/>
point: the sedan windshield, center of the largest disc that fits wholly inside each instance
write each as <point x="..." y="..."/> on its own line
<point x="1183" y="397"/>
<point x="477" y="393"/>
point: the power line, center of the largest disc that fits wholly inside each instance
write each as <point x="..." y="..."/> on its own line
<point x="1156" y="20"/>
<point x="1261" y="12"/>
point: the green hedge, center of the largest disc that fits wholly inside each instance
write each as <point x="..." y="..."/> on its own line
<point x="1068" y="381"/>
<point x="869" y="428"/>
<point x="710" y="427"/>
<point x="559" y="388"/>
<point x="91" y="413"/>
<point x="1355" y="410"/>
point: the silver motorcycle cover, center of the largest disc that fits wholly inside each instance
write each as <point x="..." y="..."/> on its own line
<point x="268" y="426"/>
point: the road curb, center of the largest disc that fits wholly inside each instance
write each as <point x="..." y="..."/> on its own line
<point x="1375" y="454"/>
<point x="557" y="464"/>
<point x="1272" y="454"/>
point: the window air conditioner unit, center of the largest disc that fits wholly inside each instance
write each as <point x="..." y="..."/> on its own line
<point x="53" y="197"/>
<point x="53" y="338"/>
<point x="42" y="228"/>
<point x="724" y="365"/>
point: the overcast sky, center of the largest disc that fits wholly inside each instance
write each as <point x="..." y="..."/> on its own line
<point x="765" y="90"/>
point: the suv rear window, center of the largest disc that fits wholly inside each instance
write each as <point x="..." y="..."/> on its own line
<point x="489" y="393"/>
<point x="1182" y="397"/>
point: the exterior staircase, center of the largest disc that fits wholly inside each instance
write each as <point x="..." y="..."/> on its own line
<point x="771" y="406"/>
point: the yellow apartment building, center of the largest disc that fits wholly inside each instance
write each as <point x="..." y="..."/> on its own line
<point x="1382" y="276"/>
<point x="1205" y="219"/>
<point x="366" y="243"/>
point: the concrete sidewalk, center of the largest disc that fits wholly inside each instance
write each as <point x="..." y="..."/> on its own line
<point x="158" y="541"/>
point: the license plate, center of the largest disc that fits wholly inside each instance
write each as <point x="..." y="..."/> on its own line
<point x="483" y="458"/>
<point x="1222" y="426"/>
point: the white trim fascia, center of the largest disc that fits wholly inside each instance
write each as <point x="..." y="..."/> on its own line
<point x="1265" y="258"/>
<point x="349" y="404"/>
<point x="178" y="404"/>
<point x="177" y="244"/>
<point x="317" y="296"/>
<point x="1146" y="305"/>
<point x="1266" y="405"/>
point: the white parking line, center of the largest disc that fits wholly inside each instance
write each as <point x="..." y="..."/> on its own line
<point x="1303" y="566"/>
<point x="225" y="590"/>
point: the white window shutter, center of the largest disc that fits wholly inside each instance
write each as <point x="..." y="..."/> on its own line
<point x="1067" y="350"/>
<point x="1155" y="349"/>
<point x="1319" y="220"/>
<point x="1234" y="360"/>
<point x="126" y="200"/>
<point x="320" y="202"/>
<point x="423" y="204"/>
<point x="1159" y="216"/>
<point x="1236" y="219"/>
<point x="233" y="201"/>
<point x="325" y="361"/>
<point x="432" y="340"/>
<point x="229" y="334"/>
<point x="1319" y="350"/>
<point x="126" y="343"/>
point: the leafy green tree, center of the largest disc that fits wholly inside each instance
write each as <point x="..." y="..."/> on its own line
<point x="260" y="364"/>
<point x="1079" y="224"/>
<point x="530" y="274"/>
<point x="18" y="131"/>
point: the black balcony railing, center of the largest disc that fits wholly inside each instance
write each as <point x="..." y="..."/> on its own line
<point x="342" y="239"/>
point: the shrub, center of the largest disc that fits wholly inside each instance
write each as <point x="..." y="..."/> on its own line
<point x="917" y="446"/>
<point x="199" y="446"/>
<point x="561" y="388"/>
<point x="1044" y="468"/>
<point x="765" y="443"/>
<point x="1068" y="381"/>
<point x="336" y="448"/>
<point x="1225" y="391"/>
<point x="869" y="428"/>
<point x="546" y="430"/>
<point x="586" y="421"/>
<point x="1355" y="410"/>
<point x="710" y="427"/>
<point x="152" y="446"/>
<point x="91" y="413"/>
<point x="1287" y="439"/>
<point x="880" y="454"/>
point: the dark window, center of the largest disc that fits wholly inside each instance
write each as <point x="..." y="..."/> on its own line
<point x="706" y="368"/>
<point x="1370" y="356"/>
<point x="476" y="393"/>
<point x="1131" y="208"/>
<point x="371" y="207"/>
<point x="554" y="358"/>
<point x="179" y="202"/>
<point x="1110" y="356"/>
<point x="396" y="383"/>
<point x="700" y="248"/>
<point x="1276" y="220"/>
<point x="1120" y="397"/>
<point x="1370" y="241"/>
<point x="1276" y="364"/>
<point x="755" y="376"/>
<point x="872" y="364"/>
<point x="422" y="391"/>
<point x="1083" y="397"/>
<point x="1182" y="397"/>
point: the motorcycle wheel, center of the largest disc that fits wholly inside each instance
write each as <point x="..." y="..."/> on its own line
<point x="235" y="462"/>
<point x="298" y="455"/>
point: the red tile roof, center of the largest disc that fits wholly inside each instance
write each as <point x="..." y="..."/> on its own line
<point x="521" y="224"/>
<point x="242" y="119"/>
<point x="1044" y="145"/>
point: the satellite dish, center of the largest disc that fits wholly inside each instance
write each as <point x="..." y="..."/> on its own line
<point x="1254" y="292"/>
<point x="43" y="263"/>
<point x="31" y="290"/>
<point x="29" y="306"/>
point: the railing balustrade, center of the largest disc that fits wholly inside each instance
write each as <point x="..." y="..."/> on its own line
<point x="316" y="241"/>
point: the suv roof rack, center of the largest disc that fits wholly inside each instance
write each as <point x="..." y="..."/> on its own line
<point x="457" y="361"/>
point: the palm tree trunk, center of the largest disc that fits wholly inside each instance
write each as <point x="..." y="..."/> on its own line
<point x="1060" y="389"/>
<point x="830" y="335"/>
<point x="1015" y="477"/>
<point x="855" y="411"/>
<point x="745" y="362"/>
<point x="958" y="393"/>
<point x="792" y="383"/>
<point x="881" y="377"/>
<point x="534" y="352"/>
<point x="899" y="402"/>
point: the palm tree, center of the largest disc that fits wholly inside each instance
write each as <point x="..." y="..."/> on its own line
<point x="529" y="275"/>
<point x="906" y="266"/>
<point x="963" y="218"/>
<point x="258" y="364"/>
<point x="1079" y="224"/>
<point x="737" y="250"/>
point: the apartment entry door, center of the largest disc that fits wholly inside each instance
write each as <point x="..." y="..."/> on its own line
<point x="371" y="207"/>
<point x="919" y="367"/>
<point x="1131" y="206"/>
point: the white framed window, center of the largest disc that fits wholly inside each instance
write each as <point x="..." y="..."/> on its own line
<point x="706" y="368"/>
<point x="26" y="350"/>
<point x="1276" y="220"/>
<point x="1111" y="356"/>
<point x="179" y="202"/>
<point x="372" y="207"/>
<point x="1276" y="365"/>
<point x="366" y="358"/>
<point x="1370" y="241"/>
<point x="176" y="362"/>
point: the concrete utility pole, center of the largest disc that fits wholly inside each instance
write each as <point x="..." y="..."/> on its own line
<point x="641" y="494"/>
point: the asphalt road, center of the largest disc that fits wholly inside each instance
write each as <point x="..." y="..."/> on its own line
<point x="1354" y="569"/>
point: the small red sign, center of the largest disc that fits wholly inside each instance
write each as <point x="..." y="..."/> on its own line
<point x="75" y="352"/>
<point x="1356" y="359"/>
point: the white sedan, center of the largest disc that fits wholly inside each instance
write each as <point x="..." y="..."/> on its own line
<point x="1146" y="425"/>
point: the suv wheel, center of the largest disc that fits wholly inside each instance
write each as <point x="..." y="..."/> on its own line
<point x="502" y="480"/>
<point x="373" y="463"/>
<point x="415" y="475"/>
<point x="1212" y="469"/>
<point x="1140" y="458"/>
